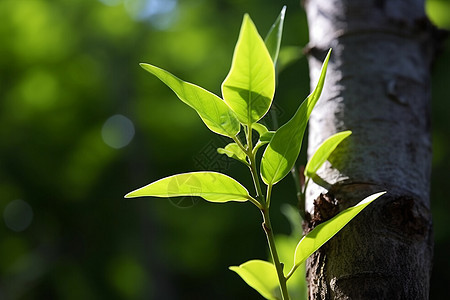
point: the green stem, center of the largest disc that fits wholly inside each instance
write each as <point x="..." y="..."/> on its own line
<point x="264" y="208"/>
<point x="256" y="203"/>
<point x="249" y="137"/>
<point x="255" y="177"/>
<point x="273" y="251"/>
<point x="252" y="165"/>
<point x="269" y="195"/>
<point x="239" y="143"/>
<point x="297" y="183"/>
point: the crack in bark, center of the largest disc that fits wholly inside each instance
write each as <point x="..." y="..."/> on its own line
<point x="325" y="207"/>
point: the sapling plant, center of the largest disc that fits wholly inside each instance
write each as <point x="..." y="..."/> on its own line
<point x="247" y="95"/>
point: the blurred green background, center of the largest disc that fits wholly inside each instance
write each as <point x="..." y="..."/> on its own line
<point x="81" y="124"/>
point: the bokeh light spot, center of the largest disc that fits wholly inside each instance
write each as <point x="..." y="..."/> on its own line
<point x="118" y="131"/>
<point x="18" y="215"/>
<point x="160" y="13"/>
<point x="142" y="9"/>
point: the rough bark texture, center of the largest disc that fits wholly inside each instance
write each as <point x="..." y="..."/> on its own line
<point x="378" y="86"/>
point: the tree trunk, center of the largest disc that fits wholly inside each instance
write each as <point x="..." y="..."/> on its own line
<point x="378" y="86"/>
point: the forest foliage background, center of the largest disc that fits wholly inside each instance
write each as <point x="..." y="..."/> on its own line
<point x="81" y="124"/>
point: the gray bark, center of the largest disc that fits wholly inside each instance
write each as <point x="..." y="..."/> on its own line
<point x="378" y="86"/>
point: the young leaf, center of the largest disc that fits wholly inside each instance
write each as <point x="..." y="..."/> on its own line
<point x="273" y="38"/>
<point x="325" y="231"/>
<point x="323" y="152"/>
<point x="260" y="275"/>
<point x="211" y="186"/>
<point x="267" y="137"/>
<point x="214" y="111"/>
<point x="232" y="150"/>
<point x="264" y="135"/>
<point x="250" y="85"/>
<point x="284" y="147"/>
<point x="260" y="128"/>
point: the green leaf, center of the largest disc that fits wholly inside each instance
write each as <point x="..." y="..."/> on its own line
<point x="273" y="38"/>
<point x="264" y="135"/>
<point x="325" y="231"/>
<point x="284" y="147"/>
<point x="211" y="186"/>
<point x="267" y="137"/>
<point x="260" y="128"/>
<point x="260" y="275"/>
<point x="250" y="85"/>
<point x="214" y="111"/>
<point x="323" y="152"/>
<point x="234" y="151"/>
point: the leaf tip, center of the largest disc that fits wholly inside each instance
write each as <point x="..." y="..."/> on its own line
<point x="346" y="133"/>
<point x="247" y="21"/>
<point x="372" y="198"/>
<point x="283" y="11"/>
<point x="129" y="195"/>
<point x="233" y="268"/>
<point x="146" y="67"/>
<point x="133" y="194"/>
<point x="327" y="58"/>
<point x="379" y="194"/>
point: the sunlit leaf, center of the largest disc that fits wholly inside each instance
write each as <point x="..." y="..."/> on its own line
<point x="260" y="128"/>
<point x="234" y="151"/>
<point x="323" y="152"/>
<point x="267" y="137"/>
<point x="250" y="85"/>
<point x="214" y="112"/>
<point x="284" y="147"/>
<point x="211" y="186"/>
<point x="260" y="275"/>
<point x="325" y="231"/>
<point x="273" y="38"/>
<point x="264" y="135"/>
